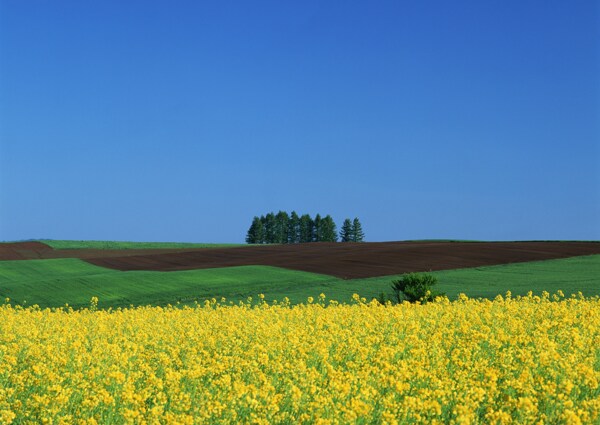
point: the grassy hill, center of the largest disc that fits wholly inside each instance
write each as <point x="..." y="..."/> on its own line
<point x="56" y="282"/>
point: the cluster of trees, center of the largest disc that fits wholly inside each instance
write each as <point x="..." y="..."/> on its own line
<point x="293" y="228"/>
<point x="352" y="231"/>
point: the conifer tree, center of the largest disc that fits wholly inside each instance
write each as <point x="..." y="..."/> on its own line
<point x="263" y="221"/>
<point x="255" y="232"/>
<point x="294" y="228"/>
<point x="346" y="232"/>
<point x="306" y="228"/>
<point x="281" y="227"/>
<point x="251" y="234"/>
<point x="270" y="228"/>
<point x="357" y="233"/>
<point x="328" y="229"/>
<point x="317" y="230"/>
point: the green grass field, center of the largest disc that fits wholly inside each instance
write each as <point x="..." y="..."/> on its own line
<point x="51" y="283"/>
<point x="64" y="244"/>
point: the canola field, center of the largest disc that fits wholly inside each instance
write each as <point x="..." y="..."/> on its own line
<point x="511" y="360"/>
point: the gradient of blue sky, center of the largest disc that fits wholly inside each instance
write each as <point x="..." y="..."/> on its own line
<point x="180" y="121"/>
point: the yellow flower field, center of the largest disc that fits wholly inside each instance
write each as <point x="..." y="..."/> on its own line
<point x="511" y="360"/>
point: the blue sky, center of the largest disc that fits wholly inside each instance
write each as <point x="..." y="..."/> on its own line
<point x="180" y="121"/>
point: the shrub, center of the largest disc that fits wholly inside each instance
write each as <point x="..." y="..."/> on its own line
<point x="413" y="287"/>
<point x="384" y="299"/>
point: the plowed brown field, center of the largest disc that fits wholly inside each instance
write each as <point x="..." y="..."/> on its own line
<point x="39" y="250"/>
<point x="344" y="260"/>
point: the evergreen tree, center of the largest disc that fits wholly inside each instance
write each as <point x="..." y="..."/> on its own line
<point x="281" y="227"/>
<point x="284" y="228"/>
<point x="263" y="221"/>
<point x="328" y="229"/>
<point x="346" y="232"/>
<point x="251" y="236"/>
<point x="357" y="233"/>
<point x="306" y="228"/>
<point x="270" y="228"/>
<point x="317" y="231"/>
<point x="294" y="228"/>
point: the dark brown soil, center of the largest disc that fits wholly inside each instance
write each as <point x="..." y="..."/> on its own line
<point x="344" y="260"/>
<point x="24" y="250"/>
<point x="39" y="250"/>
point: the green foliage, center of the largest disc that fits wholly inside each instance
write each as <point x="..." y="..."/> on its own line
<point x="414" y="287"/>
<point x="385" y="299"/>
<point x="255" y="232"/>
<point x="317" y="228"/>
<point x="281" y="227"/>
<point x="270" y="230"/>
<point x="294" y="228"/>
<point x="357" y="233"/>
<point x="346" y="232"/>
<point x="306" y="228"/>
<point x="328" y="230"/>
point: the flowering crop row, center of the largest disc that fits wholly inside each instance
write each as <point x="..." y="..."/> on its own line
<point x="510" y="360"/>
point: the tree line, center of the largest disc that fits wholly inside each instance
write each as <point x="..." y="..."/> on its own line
<point x="293" y="228"/>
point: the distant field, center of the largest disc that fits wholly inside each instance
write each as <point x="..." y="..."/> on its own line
<point x="567" y="274"/>
<point x="64" y="244"/>
<point x="55" y="282"/>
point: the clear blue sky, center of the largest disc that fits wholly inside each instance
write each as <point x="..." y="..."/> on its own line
<point x="180" y="121"/>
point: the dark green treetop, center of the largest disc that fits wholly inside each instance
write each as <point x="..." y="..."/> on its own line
<point x="281" y="227"/>
<point x="306" y="228"/>
<point x="328" y="230"/>
<point x="317" y="230"/>
<point x="270" y="228"/>
<point x="357" y="233"/>
<point x="346" y="232"/>
<point x="255" y="232"/>
<point x="294" y="228"/>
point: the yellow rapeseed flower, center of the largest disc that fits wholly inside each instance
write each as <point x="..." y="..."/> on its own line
<point x="530" y="359"/>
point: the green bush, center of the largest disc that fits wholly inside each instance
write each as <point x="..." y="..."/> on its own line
<point x="414" y="287"/>
<point x="384" y="299"/>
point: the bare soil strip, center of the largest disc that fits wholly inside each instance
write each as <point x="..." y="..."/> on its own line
<point x="24" y="251"/>
<point x="39" y="250"/>
<point x="344" y="260"/>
